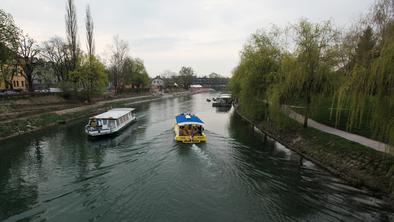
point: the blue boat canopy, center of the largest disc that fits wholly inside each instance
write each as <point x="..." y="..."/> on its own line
<point x="187" y="118"/>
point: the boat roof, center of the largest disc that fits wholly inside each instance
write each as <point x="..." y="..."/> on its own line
<point x="225" y="96"/>
<point x="187" y="118"/>
<point x="113" y="113"/>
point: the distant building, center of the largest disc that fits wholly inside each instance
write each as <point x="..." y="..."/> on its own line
<point x="157" y="85"/>
<point x="158" y="81"/>
<point x="18" y="81"/>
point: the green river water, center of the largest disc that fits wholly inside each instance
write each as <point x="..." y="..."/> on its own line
<point x="142" y="174"/>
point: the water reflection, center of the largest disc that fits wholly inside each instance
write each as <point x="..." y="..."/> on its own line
<point x="223" y="109"/>
<point x="18" y="181"/>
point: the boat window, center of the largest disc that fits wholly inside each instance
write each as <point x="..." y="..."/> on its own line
<point x="105" y="122"/>
<point x="111" y="124"/>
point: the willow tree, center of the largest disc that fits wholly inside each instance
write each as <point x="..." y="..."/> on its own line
<point x="315" y="61"/>
<point x="368" y="92"/>
<point x="256" y="72"/>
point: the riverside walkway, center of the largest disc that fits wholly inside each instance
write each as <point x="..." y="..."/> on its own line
<point x="376" y="145"/>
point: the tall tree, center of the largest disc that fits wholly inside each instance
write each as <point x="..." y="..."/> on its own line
<point x="316" y="57"/>
<point x="89" y="31"/>
<point x="72" y="32"/>
<point x="90" y="47"/>
<point x="28" y="52"/>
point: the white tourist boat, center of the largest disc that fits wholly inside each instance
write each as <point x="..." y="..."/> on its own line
<point x="110" y="122"/>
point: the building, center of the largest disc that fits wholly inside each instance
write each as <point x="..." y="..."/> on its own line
<point x="157" y="85"/>
<point x="18" y="81"/>
<point x="158" y="81"/>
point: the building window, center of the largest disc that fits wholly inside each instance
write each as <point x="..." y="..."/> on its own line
<point x="23" y="83"/>
<point x="14" y="83"/>
<point x="17" y="83"/>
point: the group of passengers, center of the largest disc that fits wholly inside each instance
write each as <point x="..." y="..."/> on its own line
<point x="190" y="130"/>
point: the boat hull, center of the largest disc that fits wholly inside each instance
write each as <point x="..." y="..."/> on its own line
<point x="104" y="132"/>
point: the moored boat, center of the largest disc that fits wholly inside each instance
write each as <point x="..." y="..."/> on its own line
<point x="189" y="128"/>
<point x="224" y="100"/>
<point x="110" y="122"/>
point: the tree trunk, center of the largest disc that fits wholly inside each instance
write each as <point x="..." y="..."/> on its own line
<point x="30" y="85"/>
<point x="306" y="120"/>
<point x="306" y="115"/>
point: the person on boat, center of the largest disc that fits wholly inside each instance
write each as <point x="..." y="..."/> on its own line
<point x="181" y="130"/>
<point x="93" y="123"/>
<point x="199" y="130"/>
<point x="188" y="130"/>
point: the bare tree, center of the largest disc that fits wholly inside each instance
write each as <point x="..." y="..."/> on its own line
<point x="28" y="51"/>
<point x="55" y="52"/>
<point x="72" y="32"/>
<point x="120" y="50"/>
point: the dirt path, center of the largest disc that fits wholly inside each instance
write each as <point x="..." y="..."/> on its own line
<point x="379" y="146"/>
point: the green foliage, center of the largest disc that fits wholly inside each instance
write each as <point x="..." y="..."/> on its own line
<point x="256" y="73"/>
<point x="313" y="71"/>
<point x="132" y="73"/>
<point x="365" y="48"/>
<point x="9" y="33"/>
<point x="9" y="37"/>
<point x="185" y="77"/>
<point x="88" y="79"/>
<point x="372" y="82"/>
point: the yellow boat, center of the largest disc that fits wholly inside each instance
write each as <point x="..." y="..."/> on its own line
<point x="189" y="129"/>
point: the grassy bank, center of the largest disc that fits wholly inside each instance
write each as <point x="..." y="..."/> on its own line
<point x="357" y="164"/>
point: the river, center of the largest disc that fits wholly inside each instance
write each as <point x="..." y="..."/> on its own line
<point x="142" y="174"/>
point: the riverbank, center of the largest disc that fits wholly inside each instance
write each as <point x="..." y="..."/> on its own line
<point x="20" y="126"/>
<point x="353" y="162"/>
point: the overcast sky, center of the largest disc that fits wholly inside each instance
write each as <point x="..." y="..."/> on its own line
<point x="168" y="34"/>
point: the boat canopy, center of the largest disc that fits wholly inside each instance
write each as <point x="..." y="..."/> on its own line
<point x="114" y="113"/>
<point x="186" y="119"/>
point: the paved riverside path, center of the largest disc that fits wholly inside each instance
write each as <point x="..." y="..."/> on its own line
<point x="376" y="145"/>
<point x="101" y="103"/>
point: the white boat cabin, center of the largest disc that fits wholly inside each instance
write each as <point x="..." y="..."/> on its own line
<point x="110" y="122"/>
